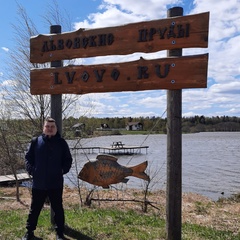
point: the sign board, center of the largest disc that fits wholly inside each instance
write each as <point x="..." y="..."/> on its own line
<point x="164" y="73"/>
<point x="152" y="36"/>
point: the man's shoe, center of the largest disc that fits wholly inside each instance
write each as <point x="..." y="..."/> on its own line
<point x="29" y="236"/>
<point x="60" y="237"/>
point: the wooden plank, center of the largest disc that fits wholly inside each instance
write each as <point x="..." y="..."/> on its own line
<point x="11" y="178"/>
<point x="152" y="36"/>
<point x="164" y="73"/>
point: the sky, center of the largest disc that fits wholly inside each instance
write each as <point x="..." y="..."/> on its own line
<point x="220" y="98"/>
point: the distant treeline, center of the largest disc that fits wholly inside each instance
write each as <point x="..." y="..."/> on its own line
<point x="154" y="124"/>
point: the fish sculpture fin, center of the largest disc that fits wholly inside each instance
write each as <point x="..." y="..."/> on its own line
<point x="124" y="180"/>
<point x="106" y="157"/>
<point x="138" y="171"/>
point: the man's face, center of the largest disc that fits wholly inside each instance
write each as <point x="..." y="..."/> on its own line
<point x="50" y="129"/>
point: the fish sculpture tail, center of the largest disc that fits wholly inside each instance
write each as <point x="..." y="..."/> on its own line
<point x="138" y="171"/>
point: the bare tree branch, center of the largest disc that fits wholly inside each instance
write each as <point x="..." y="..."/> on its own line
<point x="17" y="92"/>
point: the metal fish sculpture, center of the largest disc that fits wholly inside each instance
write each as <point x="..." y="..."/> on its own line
<point x="105" y="171"/>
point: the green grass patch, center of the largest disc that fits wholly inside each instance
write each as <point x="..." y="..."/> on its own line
<point x="135" y="132"/>
<point x="194" y="231"/>
<point x="87" y="224"/>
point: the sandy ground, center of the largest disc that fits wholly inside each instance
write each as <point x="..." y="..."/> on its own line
<point x="223" y="214"/>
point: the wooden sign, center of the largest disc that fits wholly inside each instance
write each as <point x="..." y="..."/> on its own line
<point x="152" y="36"/>
<point x="164" y="73"/>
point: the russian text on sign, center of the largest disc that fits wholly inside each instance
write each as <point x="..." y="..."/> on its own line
<point x="152" y="36"/>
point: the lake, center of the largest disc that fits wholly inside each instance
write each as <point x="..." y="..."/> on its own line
<point x="210" y="161"/>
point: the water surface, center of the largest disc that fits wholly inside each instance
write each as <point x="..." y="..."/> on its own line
<point x="210" y="161"/>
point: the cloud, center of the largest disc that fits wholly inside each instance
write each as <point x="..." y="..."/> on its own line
<point x="119" y="12"/>
<point x="227" y="88"/>
<point x="5" y="49"/>
<point x="8" y="83"/>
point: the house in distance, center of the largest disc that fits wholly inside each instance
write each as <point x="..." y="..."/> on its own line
<point x="134" y="126"/>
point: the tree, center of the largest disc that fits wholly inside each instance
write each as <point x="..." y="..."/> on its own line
<point x="11" y="148"/>
<point x="18" y="101"/>
<point x="18" y="97"/>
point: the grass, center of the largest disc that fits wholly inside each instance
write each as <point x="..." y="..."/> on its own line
<point x="87" y="224"/>
<point x="136" y="132"/>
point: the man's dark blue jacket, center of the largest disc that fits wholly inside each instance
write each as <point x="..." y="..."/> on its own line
<point x="47" y="159"/>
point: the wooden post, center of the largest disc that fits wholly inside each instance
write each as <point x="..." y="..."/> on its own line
<point x="56" y="102"/>
<point x="174" y="152"/>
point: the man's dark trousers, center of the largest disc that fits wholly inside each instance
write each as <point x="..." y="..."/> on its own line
<point x="38" y="199"/>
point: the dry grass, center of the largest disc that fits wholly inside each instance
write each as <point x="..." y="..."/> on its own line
<point x="196" y="209"/>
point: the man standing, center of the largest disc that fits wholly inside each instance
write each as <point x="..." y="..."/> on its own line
<point x="47" y="159"/>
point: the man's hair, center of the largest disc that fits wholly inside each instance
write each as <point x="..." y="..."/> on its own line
<point x="49" y="119"/>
